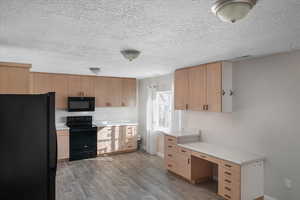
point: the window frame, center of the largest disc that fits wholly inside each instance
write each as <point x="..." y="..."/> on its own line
<point x="156" y="112"/>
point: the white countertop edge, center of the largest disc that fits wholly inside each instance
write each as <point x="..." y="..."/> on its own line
<point x="236" y="161"/>
<point x="181" y="134"/>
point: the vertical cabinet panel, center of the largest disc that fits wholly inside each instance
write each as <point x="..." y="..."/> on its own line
<point x="42" y="83"/>
<point x="74" y="86"/>
<point x="100" y="91"/>
<point x="62" y="145"/>
<point x="61" y="90"/>
<point x="128" y="92"/>
<point x="214" y="87"/>
<point x="181" y="89"/>
<point x="197" y="88"/>
<point x="3" y="80"/>
<point x="114" y="91"/>
<point x="14" y="80"/>
<point x="108" y="91"/>
<point x="87" y="86"/>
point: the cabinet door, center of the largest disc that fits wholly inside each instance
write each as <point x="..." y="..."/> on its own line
<point x="87" y="86"/>
<point x="128" y="92"/>
<point x="42" y="83"/>
<point x="197" y="88"/>
<point x="108" y="91"/>
<point x="214" y="87"/>
<point x="184" y="165"/>
<point x="62" y="145"/>
<point x="3" y="80"/>
<point x="181" y="89"/>
<point x="101" y="91"/>
<point x="114" y="92"/>
<point x="61" y="91"/>
<point x="74" y="86"/>
<point x="18" y="80"/>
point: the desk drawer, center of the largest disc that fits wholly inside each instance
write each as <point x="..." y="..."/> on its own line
<point x="229" y="166"/>
<point x="232" y="176"/>
<point x="169" y="140"/>
<point x="206" y="157"/>
<point x="171" y="148"/>
<point x="183" y="152"/>
<point x="171" y="165"/>
<point x="232" y="193"/>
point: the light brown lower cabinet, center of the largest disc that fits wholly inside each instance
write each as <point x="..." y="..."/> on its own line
<point x="198" y="167"/>
<point x="116" y="139"/>
<point x="63" y="145"/>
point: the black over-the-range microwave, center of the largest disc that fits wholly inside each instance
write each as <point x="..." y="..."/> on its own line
<point x="77" y="104"/>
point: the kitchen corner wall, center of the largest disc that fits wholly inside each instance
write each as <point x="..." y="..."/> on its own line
<point x="265" y="119"/>
<point x="102" y="114"/>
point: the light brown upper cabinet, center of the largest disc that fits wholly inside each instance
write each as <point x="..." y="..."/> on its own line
<point x="204" y="88"/>
<point x="61" y="90"/>
<point x="181" y="94"/>
<point x="128" y="92"/>
<point x="115" y="92"/>
<point x="108" y="91"/>
<point x="81" y="86"/>
<point x="42" y="83"/>
<point x="14" y="78"/>
<point x="214" y="87"/>
<point x="197" y="88"/>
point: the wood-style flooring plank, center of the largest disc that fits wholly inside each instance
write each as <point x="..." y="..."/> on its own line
<point x="131" y="176"/>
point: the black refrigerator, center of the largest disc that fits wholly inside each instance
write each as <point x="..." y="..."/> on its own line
<point x="28" y="147"/>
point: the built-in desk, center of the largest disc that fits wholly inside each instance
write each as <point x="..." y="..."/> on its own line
<point x="240" y="174"/>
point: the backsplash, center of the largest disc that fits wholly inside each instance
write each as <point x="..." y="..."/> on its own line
<point x="102" y="114"/>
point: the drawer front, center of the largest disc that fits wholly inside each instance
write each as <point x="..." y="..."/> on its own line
<point x="171" y="148"/>
<point x="206" y="157"/>
<point x="183" y="152"/>
<point x="229" y="166"/>
<point x="231" y="193"/>
<point x="130" y="131"/>
<point x="62" y="133"/>
<point x="130" y="146"/>
<point x="232" y="176"/>
<point x="169" y="140"/>
<point x="171" y="165"/>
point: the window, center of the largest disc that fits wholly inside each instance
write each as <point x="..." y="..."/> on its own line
<point x="162" y="111"/>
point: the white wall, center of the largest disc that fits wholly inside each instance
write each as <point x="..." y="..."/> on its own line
<point x="265" y="119"/>
<point x="103" y="114"/>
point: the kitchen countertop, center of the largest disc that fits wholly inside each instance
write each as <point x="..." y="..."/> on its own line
<point x="114" y="123"/>
<point x="63" y="126"/>
<point x="193" y="142"/>
<point x="229" y="154"/>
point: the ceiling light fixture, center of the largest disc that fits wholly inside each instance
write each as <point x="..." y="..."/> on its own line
<point x="232" y="10"/>
<point x="130" y="54"/>
<point x="95" y="70"/>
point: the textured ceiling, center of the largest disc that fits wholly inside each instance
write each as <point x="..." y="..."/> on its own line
<point x="68" y="36"/>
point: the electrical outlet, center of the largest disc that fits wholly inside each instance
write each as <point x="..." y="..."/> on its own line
<point x="288" y="183"/>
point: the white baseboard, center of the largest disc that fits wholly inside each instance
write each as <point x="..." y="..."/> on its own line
<point x="269" y="198"/>
<point x="160" y="154"/>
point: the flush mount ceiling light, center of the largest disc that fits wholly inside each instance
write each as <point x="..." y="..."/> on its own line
<point x="95" y="70"/>
<point x="232" y="10"/>
<point x="130" y="54"/>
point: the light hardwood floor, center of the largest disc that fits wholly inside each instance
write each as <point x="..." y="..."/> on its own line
<point x="132" y="176"/>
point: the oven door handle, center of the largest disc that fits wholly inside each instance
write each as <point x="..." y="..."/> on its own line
<point x="77" y="130"/>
